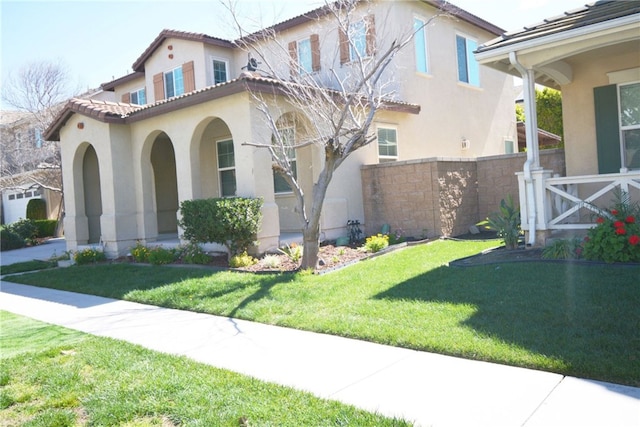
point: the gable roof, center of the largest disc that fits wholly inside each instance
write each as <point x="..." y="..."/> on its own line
<point x="589" y="14"/>
<point x="138" y="65"/>
<point x="123" y="113"/>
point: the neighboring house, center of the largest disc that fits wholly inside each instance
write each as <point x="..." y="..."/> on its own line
<point x="592" y="55"/>
<point x="28" y="162"/>
<point x="176" y="126"/>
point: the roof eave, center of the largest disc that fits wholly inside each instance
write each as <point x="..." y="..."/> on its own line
<point x="492" y="54"/>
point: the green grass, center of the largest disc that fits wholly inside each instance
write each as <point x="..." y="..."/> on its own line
<point x="104" y="382"/>
<point x="575" y="319"/>
<point x="22" y="267"/>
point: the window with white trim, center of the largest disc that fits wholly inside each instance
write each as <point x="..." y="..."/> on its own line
<point x="219" y="71"/>
<point x="468" y="68"/>
<point x="629" y="109"/>
<point x="138" y="97"/>
<point x="358" y="46"/>
<point x="305" y="60"/>
<point x="289" y="137"/>
<point x="226" y="168"/>
<point x="420" y="42"/>
<point x="173" y="83"/>
<point x="387" y="143"/>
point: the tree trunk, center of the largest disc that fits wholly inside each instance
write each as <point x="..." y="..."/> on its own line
<point x="310" y="248"/>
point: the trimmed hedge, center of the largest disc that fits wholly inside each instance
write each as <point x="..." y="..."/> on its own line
<point x="37" y="209"/>
<point x="232" y="222"/>
<point x="46" y="227"/>
<point x="9" y="239"/>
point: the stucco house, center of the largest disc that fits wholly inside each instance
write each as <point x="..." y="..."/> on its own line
<point x="175" y="128"/>
<point x="592" y="54"/>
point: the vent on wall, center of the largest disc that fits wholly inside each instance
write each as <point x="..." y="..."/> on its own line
<point x="465" y="144"/>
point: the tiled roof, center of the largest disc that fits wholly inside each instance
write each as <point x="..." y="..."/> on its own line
<point x="121" y="80"/>
<point x="118" y="112"/>
<point x="589" y="14"/>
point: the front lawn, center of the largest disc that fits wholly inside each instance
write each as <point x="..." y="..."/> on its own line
<point x="575" y="319"/>
<point x="85" y="380"/>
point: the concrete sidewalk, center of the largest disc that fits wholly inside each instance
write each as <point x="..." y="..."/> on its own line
<point x="425" y="388"/>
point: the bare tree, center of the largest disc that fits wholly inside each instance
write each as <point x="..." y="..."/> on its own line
<point x="334" y="108"/>
<point x="37" y="91"/>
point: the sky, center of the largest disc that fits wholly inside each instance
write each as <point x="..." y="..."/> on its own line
<point x="97" y="41"/>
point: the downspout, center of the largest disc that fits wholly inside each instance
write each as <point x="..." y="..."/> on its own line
<point x="531" y="126"/>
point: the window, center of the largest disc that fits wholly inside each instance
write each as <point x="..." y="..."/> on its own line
<point x="38" y="137"/>
<point x="289" y="137"/>
<point x="304" y="56"/>
<point x="360" y="42"/>
<point x="219" y="71"/>
<point x="468" y="69"/>
<point x="629" y="96"/>
<point x="138" y="97"/>
<point x="358" y="47"/>
<point x="12" y="196"/>
<point x="420" y="40"/>
<point x="173" y="83"/>
<point x="387" y="143"/>
<point x="227" y="168"/>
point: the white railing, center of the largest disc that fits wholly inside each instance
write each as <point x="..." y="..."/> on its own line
<point x="572" y="202"/>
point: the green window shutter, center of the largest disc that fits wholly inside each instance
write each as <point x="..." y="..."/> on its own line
<point x="607" y="128"/>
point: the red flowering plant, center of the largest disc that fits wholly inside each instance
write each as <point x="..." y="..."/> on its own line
<point x="616" y="236"/>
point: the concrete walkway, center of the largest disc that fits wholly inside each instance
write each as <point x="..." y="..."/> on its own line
<point x="42" y="252"/>
<point x="424" y="388"/>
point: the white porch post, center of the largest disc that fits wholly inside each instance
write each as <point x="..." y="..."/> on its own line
<point x="532" y="212"/>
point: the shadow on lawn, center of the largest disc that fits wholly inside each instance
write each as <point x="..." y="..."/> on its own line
<point x="586" y="317"/>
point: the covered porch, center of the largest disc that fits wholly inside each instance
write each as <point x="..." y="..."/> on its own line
<point x="591" y="55"/>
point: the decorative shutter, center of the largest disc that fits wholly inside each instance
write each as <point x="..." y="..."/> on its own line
<point x="344" y="47"/>
<point x="158" y="87"/>
<point x="293" y="55"/>
<point x="370" y="25"/>
<point x="315" y="52"/>
<point x="605" y="99"/>
<point x="126" y="98"/>
<point x="189" y="77"/>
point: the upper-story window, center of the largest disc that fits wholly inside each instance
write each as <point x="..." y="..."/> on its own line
<point x="468" y="68"/>
<point x="219" y="71"/>
<point x="279" y="183"/>
<point x="305" y="55"/>
<point x="173" y="83"/>
<point x="138" y="97"/>
<point x="360" y="42"/>
<point x="387" y="143"/>
<point x="420" y="41"/>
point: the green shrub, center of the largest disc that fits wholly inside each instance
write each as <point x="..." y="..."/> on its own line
<point x="242" y="260"/>
<point x="89" y="255"/>
<point x="506" y="223"/>
<point x="563" y="249"/>
<point x="140" y="253"/>
<point x="9" y="239"/>
<point x="46" y="227"/>
<point x="37" y="209"/>
<point x="232" y="222"/>
<point x="25" y="228"/>
<point x="161" y="256"/>
<point x="616" y="237"/>
<point x="192" y="253"/>
<point x="376" y="243"/>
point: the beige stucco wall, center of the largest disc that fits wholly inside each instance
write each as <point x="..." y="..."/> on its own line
<point x="590" y="71"/>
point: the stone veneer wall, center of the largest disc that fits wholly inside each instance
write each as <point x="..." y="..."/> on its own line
<point x="442" y="197"/>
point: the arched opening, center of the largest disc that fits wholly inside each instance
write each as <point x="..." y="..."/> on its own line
<point x="163" y="163"/>
<point x="92" y="193"/>
<point x="213" y="159"/>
